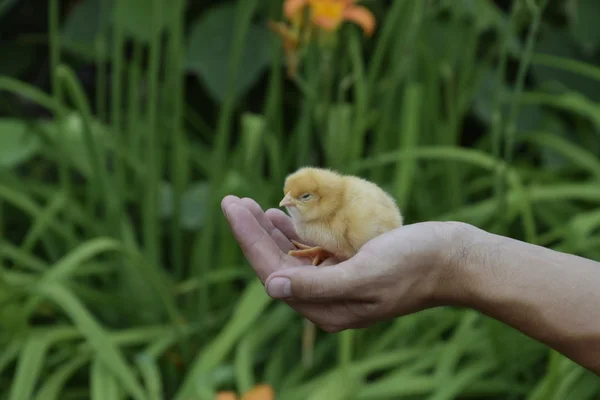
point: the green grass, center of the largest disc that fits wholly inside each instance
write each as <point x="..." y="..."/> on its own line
<point x="119" y="276"/>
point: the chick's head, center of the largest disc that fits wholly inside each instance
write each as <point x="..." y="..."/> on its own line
<point x="313" y="194"/>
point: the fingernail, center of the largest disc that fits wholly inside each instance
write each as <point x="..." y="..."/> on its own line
<point x="280" y="288"/>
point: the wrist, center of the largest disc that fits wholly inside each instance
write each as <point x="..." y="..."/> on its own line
<point x="457" y="276"/>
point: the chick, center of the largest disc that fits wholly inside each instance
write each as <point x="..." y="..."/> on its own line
<point x="337" y="214"/>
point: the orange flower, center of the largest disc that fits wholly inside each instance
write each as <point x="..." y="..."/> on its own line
<point x="258" y="392"/>
<point x="330" y="14"/>
<point x="326" y="15"/>
<point x="291" y="44"/>
<point x="227" y="395"/>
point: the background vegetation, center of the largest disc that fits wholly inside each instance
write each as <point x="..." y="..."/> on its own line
<point x="124" y="122"/>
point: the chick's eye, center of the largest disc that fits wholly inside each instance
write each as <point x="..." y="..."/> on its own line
<point x="305" y="196"/>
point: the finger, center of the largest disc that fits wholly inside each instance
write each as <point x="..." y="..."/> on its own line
<point x="332" y="317"/>
<point x="282" y="222"/>
<point x="339" y="282"/>
<point x="227" y="201"/>
<point x="321" y="315"/>
<point x="258" y="247"/>
<point x="282" y="241"/>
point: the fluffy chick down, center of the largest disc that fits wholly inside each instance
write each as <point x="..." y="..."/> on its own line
<point x="337" y="214"/>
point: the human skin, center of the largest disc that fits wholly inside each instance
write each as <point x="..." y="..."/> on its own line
<point x="550" y="296"/>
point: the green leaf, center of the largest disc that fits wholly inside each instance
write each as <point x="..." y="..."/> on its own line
<point x="27" y="204"/>
<point x="13" y="321"/>
<point x="249" y="308"/>
<point x="449" y="359"/>
<point x="253" y="127"/>
<point x="17" y="144"/>
<point x="44" y="221"/>
<point x="82" y="25"/>
<point x="516" y="351"/>
<point x="97" y="336"/>
<point x="563" y="149"/>
<point x="584" y="26"/>
<point x="485" y="14"/>
<point x="411" y="127"/>
<point x="137" y="17"/>
<point x="103" y="382"/>
<point x="342" y="384"/>
<point x="273" y="324"/>
<point x="556" y="42"/>
<point x="69" y="134"/>
<point x="463" y="379"/>
<point x="91" y="18"/>
<point x="65" y="267"/>
<point x="194" y="204"/>
<point x="587" y="387"/>
<point x="152" y="377"/>
<point x="530" y="116"/>
<point x="573" y="102"/>
<point x="29" y="367"/>
<point x="336" y="144"/>
<point x="209" y="49"/>
<point x="53" y="386"/>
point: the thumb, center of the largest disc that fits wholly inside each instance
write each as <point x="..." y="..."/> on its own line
<point x="315" y="284"/>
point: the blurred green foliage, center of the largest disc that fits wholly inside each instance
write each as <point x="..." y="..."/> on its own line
<point x="123" y="124"/>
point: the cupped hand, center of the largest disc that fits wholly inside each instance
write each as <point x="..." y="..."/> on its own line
<point x="397" y="273"/>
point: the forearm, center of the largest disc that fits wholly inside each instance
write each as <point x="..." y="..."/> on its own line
<point x="550" y="296"/>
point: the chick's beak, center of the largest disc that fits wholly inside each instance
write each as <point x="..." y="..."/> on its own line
<point x="287" y="201"/>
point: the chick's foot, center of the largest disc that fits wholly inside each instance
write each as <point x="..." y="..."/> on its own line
<point x="317" y="253"/>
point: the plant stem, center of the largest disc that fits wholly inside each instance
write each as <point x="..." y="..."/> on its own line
<point x="514" y="108"/>
<point x="153" y="160"/>
<point x="179" y="160"/>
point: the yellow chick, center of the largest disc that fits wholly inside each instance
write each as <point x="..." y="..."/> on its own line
<point x="336" y="213"/>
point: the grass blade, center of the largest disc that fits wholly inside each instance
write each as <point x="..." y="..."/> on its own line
<point x="103" y="383"/>
<point x="29" y="367"/>
<point x="97" y="337"/>
<point x="53" y="386"/>
<point x="250" y="305"/>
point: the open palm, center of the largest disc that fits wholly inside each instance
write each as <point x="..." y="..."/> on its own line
<point x="393" y="274"/>
<point x="265" y="238"/>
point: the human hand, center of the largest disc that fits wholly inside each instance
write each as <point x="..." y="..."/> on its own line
<point x="395" y="274"/>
